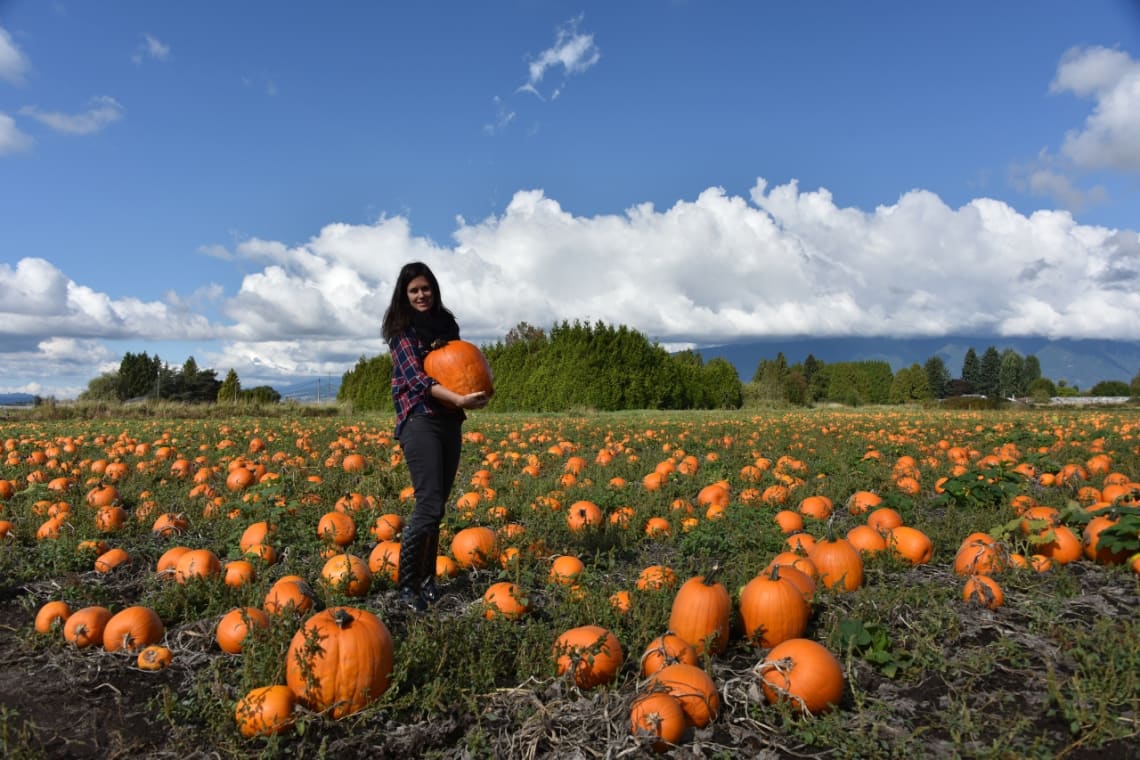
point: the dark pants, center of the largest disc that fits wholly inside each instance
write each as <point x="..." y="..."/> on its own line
<point x="431" y="446"/>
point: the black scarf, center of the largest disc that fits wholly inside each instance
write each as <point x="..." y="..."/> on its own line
<point x="434" y="330"/>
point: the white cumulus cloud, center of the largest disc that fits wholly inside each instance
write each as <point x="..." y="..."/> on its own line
<point x="12" y="140"/>
<point x="1110" y="136"/>
<point x="14" y="64"/>
<point x="717" y="268"/>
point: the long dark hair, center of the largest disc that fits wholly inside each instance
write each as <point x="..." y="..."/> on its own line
<point x="399" y="313"/>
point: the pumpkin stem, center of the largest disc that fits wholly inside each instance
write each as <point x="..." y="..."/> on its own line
<point x="710" y="576"/>
<point x="341" y="617"/>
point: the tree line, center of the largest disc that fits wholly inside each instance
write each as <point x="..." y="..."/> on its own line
<point x="995" y="375"/>
<point x="576" y="366"/>
<point x="582" y="366"/>
<point x="141" y="376"/>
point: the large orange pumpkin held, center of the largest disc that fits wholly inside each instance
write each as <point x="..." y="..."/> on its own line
<point x="460" y="366"/>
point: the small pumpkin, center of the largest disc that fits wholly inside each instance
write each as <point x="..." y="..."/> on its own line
<point x="154" y="657"/>
<point x="52" y="616"/>
<point x="290" y="593"/>
<point x="659" y="719"/>
<point x="565" y="569"/>
<point x="692" y="687"/>
<point x="506" y="600"/>
<point x="984" y="590"/>
<point x="236" y="625"/>
<point x="475" y="547"/>
<point x="84" y="627"/>
<point x="347" y="574"/>
<point x="132" y="628"/>
<point x="839" y="564"/>
<point x="197" y="564"/>
<point x="591" y="653"/>
<point x="265" y="711"/>
<point x="804" y="672"/>
<point x="910" y="544"/>
<point x="666" y="649"/>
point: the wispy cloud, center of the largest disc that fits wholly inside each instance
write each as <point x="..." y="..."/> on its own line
<point x="12" y="140"/>
<point x="103" y="110"/>
<point x="503" y="117"/>
<point x="14" y="64"/>
<point x="151" y="47"/>
<point x="573" y="51"/>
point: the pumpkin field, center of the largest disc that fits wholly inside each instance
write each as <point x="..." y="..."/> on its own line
<point x="839" y="583"/>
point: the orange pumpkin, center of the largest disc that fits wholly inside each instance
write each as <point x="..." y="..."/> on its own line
<point x="461" y="367"/>
<point x="52" y="616"/>
<point x="659" y="718"/>
<point x="591" y="653"/>
<point x="692" y="687"/>
<point x="132" y="628"/>
<point x="664" y="650"/>
<point x="804" y="672"/>
<point x="290" y="593"/>
<point x="701" y="614"/>
<point x="910" y="544"/>
<point x="236" y="625"/>
<point x="340" y="661"/>
<point x="197" y="564"/>
<point x="839" y="564"/>
<point x="154" y="657"/>
<point x="984" y="590"/>
<point x="84" y="628"/>
<point x="773" y="609"/>
<point x="265" y="711"/>
<point x="475" y="547"/>
<point x="506" y="600"/>
<point x="347" y="574"/>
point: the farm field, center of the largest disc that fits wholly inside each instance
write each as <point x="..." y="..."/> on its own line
<point x="1044" y="664"/>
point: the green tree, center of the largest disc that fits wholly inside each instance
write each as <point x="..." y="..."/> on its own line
<point x="368" y="385"/>
<point x="972" y="370"/>
<point x="937" y="376"/>
<point x="230" y="389"/>
<point x="102" y="388"/>
<point x="990" y="378"/>
<point x="1009" y="374"/>
<point x="1030" y="372"/>
<point x="139" y="376"/>
<point x="1135" y="384"/>
<point x="1041" y="390"/>
<point x="770" y="377"/>
<point x="261" y="394"/>
<point x="1111" y="388"/>
<point x="909" y="384"/>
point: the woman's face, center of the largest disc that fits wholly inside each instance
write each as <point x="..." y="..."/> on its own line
<point x="420" y="295"/>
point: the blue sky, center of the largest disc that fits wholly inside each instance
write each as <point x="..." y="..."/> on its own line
<point x="241" y="182"/>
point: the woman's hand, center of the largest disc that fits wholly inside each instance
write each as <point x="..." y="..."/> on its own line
<point x="476" y="400"/>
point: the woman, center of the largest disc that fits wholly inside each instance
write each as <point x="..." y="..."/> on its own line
<point x="429" y="431"/>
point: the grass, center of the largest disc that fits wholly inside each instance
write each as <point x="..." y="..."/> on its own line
<point x="1053" y="673"/>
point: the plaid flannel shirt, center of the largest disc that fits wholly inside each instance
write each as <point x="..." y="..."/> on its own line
<point x="411" y="387"/>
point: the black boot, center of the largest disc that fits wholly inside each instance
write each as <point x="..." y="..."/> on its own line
<point x="411" y="547"/>
<point x="428" y="589"/>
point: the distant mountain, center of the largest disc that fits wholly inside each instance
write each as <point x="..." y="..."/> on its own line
<point x="1080" y="363"/>
<point x="17" y="399"/>
<point x="308" y="390"/>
